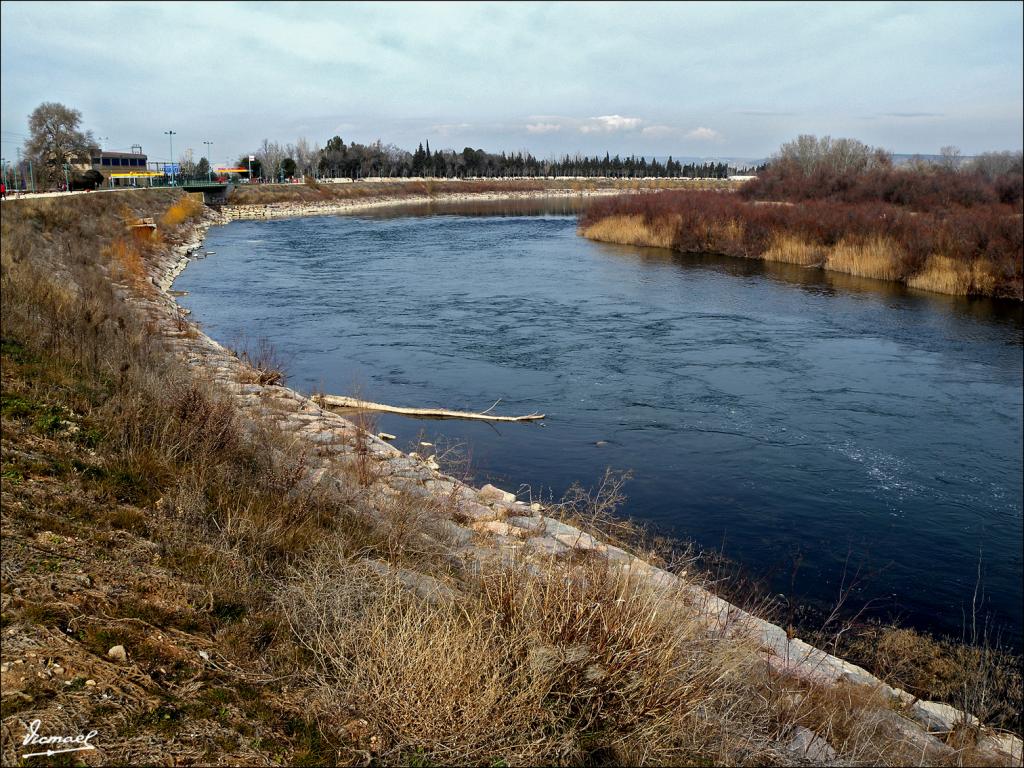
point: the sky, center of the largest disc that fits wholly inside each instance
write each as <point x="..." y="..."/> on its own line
<point x="726" y="80"/>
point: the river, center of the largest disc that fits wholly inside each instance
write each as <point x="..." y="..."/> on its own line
<point x="776" y="414"/>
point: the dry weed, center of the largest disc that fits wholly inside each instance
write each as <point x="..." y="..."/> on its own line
<point x="942" y="274"/>
<point x="631" y="230"/>
<point x="877" y="257"/>
<point x="792" y="249"/>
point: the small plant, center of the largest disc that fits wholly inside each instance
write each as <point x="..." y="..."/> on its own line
<point x="264" y="363"/>
<point x="184" y="209"/>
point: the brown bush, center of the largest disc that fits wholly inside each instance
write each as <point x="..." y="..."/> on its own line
<point x="923" y="189"/>
<point x="932" y="251"/>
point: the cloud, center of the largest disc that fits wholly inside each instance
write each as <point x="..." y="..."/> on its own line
<point x="657" y="131"/>
<point x="542" y="127"/>
<point x="764" y="113"/>
<point x="912" y="114"/>
<point x="610" y="124"/>
<point x="704" y="134"/>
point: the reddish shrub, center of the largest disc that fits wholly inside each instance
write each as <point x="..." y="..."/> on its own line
<point x="990" y="235"/>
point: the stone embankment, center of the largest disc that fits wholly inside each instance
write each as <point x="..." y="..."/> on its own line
<point x="282" y="210"/>
<point x="487" y="524"/>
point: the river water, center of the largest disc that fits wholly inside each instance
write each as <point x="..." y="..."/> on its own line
<point x="776" y="414"/>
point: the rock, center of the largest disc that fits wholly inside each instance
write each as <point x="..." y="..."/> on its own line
<point x="458" y="535"/>
<point x="1005" y="743"/>
<point x="423" y="585"/>
<point x="118" y="653"/>
<point x="914" y="744"/>
<point x="558" y="528"/>
<point x="936" y="716"/>
<point x="489" y="495"/>
<point x="498" y="528"/>
<point x="546" y="545"/>
<point x="535" y="507"/>
<point x="90" y="683"/>
<point x="533" y="524"/>
<point x="578" y="540"/>
<point x="470" y="510"/>
<point x="440" y="487"/>
<point x="806" y="743"/>
<point x="385" y="436"/>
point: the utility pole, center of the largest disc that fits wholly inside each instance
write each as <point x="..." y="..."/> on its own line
<point x="170" y="141"/>
<point x="209" y="161"/>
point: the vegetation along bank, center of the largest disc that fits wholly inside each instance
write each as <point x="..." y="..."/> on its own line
<point x="954" y="228"/>
<point x="200" y="562"/>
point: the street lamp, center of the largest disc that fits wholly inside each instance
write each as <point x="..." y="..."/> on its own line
<point x="209" y="162"/>
<point x="170" y="142"/>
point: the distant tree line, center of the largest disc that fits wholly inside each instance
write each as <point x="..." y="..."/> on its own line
<point x="357" y="161"/>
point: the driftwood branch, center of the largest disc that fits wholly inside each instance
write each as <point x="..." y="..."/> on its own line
<point x="339" y="401"/>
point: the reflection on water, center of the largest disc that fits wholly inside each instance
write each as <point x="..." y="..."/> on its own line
<point x="765" y="409"/>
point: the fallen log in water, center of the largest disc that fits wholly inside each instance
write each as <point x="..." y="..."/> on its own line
<point x="340" y="401"/>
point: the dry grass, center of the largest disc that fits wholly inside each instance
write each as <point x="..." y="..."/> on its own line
<point x="976" y="678"/>
<point x="942" y="274"/>
<point x="630" y="230"/>
<point x="264" y="362"/>
<point x="541" y="668"/>
<point x="343" y="628"/>
<point x="877" y="257"/>
<point x="186" y="208"/>
<point x="791" y="249"/>
<point x="729" y="237"/>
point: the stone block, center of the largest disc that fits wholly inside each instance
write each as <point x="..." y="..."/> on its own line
<point x="489" y="495"/>
<point x="807" y="744"/>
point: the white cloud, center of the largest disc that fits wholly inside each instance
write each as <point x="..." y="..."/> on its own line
<point x="704" y="134"/>
<point x="657" y="131"/>
<point x="610" y="124"/>
<point x="543" y="127"/>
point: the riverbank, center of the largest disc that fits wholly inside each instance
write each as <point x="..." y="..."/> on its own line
<point x="961" y="252"/>
<point x="347" y="569"/>
<point x="234" y="211"/>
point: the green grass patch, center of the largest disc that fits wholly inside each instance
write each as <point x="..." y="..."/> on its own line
<point x="15" y="350"/>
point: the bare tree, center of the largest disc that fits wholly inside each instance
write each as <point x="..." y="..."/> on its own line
<point x="270" y="156"/>
<point x="991" y="165"/>
<point x="808" y="154"/>
<point x="305" y="156"/>
<point x="55" y="139"/>
<point x="949" y="158"/>
<point x="186" y="165"/>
